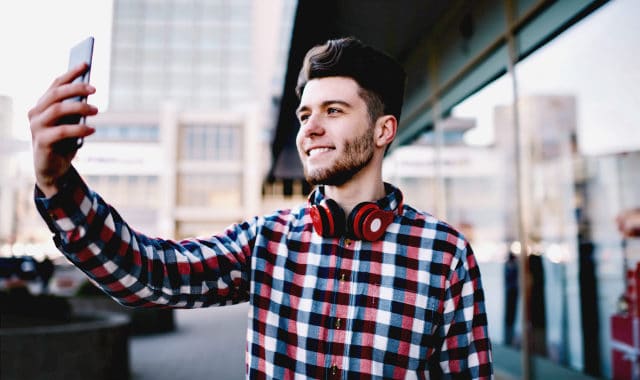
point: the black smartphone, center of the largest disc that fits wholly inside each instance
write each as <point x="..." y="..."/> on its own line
<point x="82" y="52"/>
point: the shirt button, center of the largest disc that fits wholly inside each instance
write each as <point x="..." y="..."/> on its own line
<point x="343" y="277"/>
<point x="334" y="370"/>
<point x="338" y="323"/>
<point x="347" y="242"/>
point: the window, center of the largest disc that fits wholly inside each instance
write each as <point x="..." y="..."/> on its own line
<point x="211" y="142"/>
<point x="210" y="190"/>
<point x="581" y="116"/>
<point x="127" y="132"/>
<point x="578" y="167"/>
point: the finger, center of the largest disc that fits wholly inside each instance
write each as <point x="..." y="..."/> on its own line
<point x="45" y="138"/>
<point x="50" y="116"/>
<point x="70" y="75"/>
<point x="57" y="94"/>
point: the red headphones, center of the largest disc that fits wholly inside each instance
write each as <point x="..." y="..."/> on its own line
<point x="367" y="221"/>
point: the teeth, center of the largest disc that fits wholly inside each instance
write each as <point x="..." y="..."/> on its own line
<point x="315" y="151"/>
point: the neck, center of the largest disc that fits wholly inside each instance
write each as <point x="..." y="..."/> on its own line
<point x="365" y="186"/>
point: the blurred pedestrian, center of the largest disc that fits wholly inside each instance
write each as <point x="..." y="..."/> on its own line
<point x="511" y="288"/>
<point x="45" y="269"/>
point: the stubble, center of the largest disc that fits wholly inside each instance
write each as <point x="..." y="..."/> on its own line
<point x="357" y="155"/>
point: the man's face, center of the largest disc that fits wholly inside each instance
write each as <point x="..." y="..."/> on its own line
<point x="335" y="139"/>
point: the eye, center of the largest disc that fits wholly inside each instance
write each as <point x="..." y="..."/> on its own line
<point x="303" y="117"/>
<point x="333" y="110"/>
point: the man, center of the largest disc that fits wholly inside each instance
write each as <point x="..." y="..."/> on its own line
<point x="354" y="284"/>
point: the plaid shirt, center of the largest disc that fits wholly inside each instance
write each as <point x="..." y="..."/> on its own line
<point x="408" y="306"/>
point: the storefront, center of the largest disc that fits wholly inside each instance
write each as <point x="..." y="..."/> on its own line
<point x="521" y="128"/>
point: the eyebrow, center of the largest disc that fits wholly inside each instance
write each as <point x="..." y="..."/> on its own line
<point x="324" y="104"/>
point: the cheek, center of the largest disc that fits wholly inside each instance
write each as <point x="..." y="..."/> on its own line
<point x="299" y="139"/>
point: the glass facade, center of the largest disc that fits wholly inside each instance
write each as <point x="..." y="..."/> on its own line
<point x="210" y="191"/>
<point x="127" y="190"/>
<point x="547" y="154"/>
<point x="195" y="53"/>
<point x="198" y="69"/>
<point x="128" y="132"/>
<point x="136" y="196"/>
<point x="211" y="143"/>
<point x="585" y="170"/>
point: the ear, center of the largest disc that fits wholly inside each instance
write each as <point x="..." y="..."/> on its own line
<point x="386" y="129"/>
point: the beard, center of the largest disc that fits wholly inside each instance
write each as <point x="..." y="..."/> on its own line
<point x="357" y="154"/>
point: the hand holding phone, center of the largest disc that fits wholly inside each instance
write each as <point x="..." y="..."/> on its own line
<point x="82" y="52"/>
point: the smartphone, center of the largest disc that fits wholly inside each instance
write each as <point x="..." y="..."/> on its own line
<point x="82" y="52"/>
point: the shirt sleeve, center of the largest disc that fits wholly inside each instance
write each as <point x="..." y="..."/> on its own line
<point x="137" y="270"/>
<point x="466" y="348"/>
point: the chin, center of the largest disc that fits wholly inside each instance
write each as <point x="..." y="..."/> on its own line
<point x="328" y="177"/>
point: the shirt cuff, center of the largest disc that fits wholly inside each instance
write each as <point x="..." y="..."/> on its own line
<point x="62" y="212"/>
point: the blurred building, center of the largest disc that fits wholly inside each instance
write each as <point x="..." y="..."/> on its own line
<point x="570" y="224"/>
<point x="183" y="147"/>
<point x="7" y="173"/>
<point x="468" y="173"/>
<point x="17" y="212"/>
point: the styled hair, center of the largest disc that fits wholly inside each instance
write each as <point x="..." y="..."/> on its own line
<point x="381" y="77"/>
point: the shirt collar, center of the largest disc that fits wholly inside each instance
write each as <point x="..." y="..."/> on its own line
<point x="392" y="201"/>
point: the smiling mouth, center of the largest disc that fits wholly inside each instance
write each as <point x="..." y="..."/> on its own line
<point x="314" y="151"/>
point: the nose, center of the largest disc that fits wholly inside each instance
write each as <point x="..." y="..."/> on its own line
<point x="312" y="126"/>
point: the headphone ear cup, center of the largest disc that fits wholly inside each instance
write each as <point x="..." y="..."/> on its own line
<point x="328" y="218"/>
<point x="369" y="222"/>
<point x="357" y="218"/>
<point x="319" y="219"/>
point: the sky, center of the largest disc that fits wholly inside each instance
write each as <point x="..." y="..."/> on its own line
<point x="35" y="38"/>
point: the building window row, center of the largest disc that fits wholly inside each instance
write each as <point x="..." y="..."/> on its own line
<point x="217" y="142"/>
<point x="127" y="132"/>
<point x="216" y="190"/>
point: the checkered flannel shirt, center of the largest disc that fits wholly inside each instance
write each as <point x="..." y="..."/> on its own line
<point x="409" y="306"/>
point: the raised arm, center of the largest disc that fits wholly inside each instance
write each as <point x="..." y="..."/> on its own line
<point x="131" y="267"/>
<point x="138" y="270"/>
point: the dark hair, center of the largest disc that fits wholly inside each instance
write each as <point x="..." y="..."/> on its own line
<point x="381" y="77"/>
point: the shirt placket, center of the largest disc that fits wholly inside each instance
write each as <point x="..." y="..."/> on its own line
<point x="340" y="309"/>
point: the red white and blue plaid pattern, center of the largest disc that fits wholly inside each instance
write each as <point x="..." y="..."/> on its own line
<point x="410" y="306"/>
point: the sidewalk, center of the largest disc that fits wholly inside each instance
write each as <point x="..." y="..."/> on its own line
<point x="207" y="344"/>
